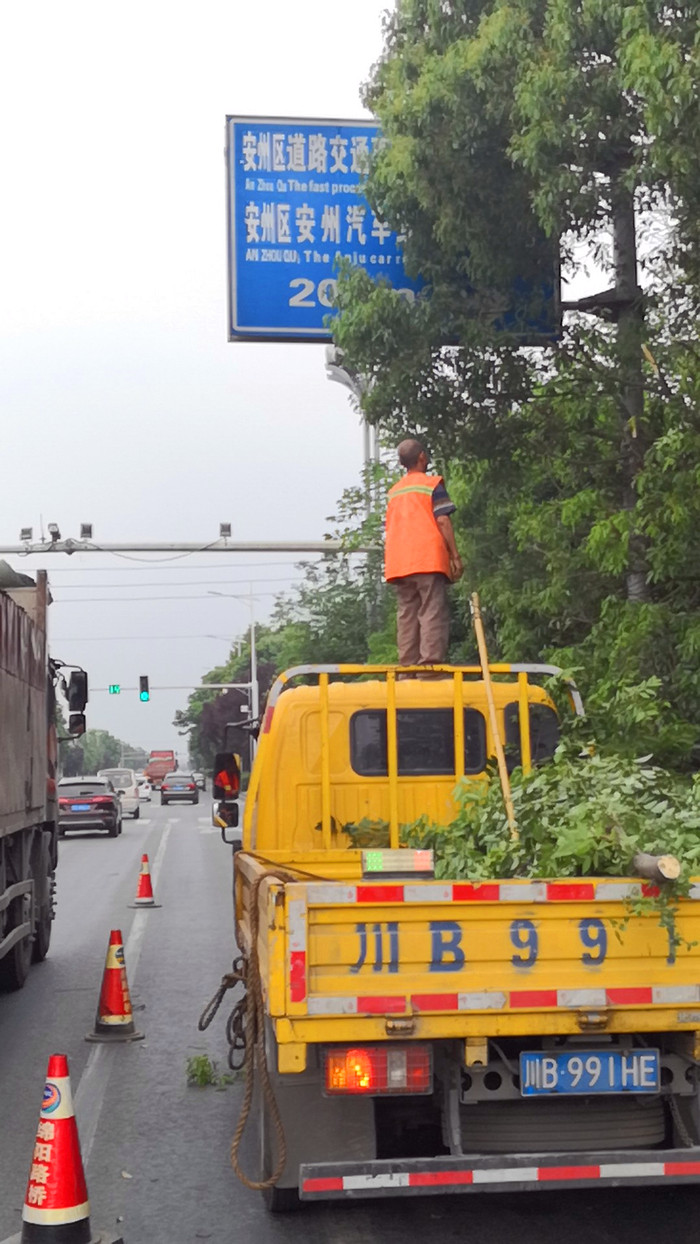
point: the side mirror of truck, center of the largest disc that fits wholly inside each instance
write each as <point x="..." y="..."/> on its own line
<point x="226" y="778"/>
<point x="77" y="691"/>
<point x="225" y="817"/>
<point x="76" y="725"/>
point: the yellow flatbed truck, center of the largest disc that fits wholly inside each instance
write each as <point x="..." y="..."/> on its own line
<point x="428" y="1035"/>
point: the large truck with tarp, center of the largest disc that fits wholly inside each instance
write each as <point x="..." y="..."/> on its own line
<point x="28" y="770"/>
<point x="412" y="1035"/>
<point x="159" y="764"/>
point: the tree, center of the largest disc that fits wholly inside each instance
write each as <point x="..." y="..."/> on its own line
<point x="97" y="749"/>
<point x="509" y="123"/>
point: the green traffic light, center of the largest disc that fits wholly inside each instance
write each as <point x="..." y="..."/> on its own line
<point x="144" y="695"/>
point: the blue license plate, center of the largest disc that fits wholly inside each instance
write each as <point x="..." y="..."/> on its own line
<point x="80" y="807"/>
<point x="178" y="788"/>
<point x="567" y="1072"/>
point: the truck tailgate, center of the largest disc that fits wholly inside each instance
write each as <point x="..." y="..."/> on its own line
<point x="445" y="959"/>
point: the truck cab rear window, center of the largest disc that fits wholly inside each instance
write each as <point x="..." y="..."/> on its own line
<point x="425" y="742"/>
<point x="544" y="734"/>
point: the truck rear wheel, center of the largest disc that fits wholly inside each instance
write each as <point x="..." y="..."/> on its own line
<point x="277" y="1200"/>
<point x="14" y="967"/>
<point x="43" y="881"/>
<point x="281" y="1200"/>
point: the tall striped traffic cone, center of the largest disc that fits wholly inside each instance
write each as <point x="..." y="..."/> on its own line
<point x="56" y="1207"/>
<point x="144" y="889"/>
<point x="114" y="1020"/>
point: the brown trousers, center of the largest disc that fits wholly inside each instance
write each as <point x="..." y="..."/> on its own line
<point x="423" y="619"/>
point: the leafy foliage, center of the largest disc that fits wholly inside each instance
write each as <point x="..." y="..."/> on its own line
<point x="576" y="817"/>
<point x="202" y="1071"/>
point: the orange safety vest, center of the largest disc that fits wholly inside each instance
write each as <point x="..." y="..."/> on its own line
<point x="228" y="780"/>
<point x="414" y="543"/>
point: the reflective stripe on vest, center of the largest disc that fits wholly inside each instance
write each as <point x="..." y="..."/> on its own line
<point x="414" y="543"/>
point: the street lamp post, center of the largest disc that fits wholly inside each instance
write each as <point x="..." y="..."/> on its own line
<point x="358" y="385"/>
<point x="254" y="689"/>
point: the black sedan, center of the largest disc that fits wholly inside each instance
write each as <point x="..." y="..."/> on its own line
<point x="88" y="803"/>
<point x="179" y="786"/>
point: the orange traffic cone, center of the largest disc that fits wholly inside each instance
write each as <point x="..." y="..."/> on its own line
<point x="144" y="889"/>
<point x="115" y="1019"/>
<point x="56" y="1208"/>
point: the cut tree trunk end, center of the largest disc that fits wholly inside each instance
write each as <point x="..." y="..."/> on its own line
<point x="657" y="868"/>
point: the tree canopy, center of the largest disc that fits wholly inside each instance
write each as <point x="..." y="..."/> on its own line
<point x="514" y="126"/>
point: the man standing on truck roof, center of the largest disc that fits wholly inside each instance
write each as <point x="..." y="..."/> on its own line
<point x="420" y="558"/>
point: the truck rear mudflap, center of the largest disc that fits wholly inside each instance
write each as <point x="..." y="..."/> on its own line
<point x="512" y="1173"/>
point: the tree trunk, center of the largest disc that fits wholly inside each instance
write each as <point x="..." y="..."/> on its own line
<point x="657" y="868"/>
<point x="630" y="337"/>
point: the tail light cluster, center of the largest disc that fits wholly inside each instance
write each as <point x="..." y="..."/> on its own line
<point x="102" y="800"/>
<point x="378" y="1070"/>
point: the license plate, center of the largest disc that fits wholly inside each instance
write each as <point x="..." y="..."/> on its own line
<point x="80" y="807"/>
<point x="178" y="788"/>
<point x="566" y="1072"/>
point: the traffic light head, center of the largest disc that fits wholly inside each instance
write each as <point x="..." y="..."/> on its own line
<point x="144" y="693"/>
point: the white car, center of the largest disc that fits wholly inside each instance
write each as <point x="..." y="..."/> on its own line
<point x="126" y="786"/>
<point x="145" y="788"/>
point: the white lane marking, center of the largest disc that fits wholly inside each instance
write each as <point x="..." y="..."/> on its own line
<point x="90" y="1094"/>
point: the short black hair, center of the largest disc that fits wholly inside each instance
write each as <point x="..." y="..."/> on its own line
<point x="410" y="451"/>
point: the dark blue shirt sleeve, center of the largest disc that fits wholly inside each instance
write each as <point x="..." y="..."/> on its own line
<point x="441" y="501"/>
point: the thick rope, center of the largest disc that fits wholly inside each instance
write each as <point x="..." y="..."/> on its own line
<point x="245" y="1030"/>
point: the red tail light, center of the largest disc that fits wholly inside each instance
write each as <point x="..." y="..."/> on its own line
<point x="376" y="1070"/>
<point x="191" y="786"/>
<point x="102" y="800"/>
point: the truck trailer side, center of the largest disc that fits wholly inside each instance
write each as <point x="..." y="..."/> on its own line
<point x="28" y="758"/>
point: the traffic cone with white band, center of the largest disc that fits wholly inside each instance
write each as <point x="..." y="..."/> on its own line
<point x="56" y="1207"/>
<point x="144" y="889"/>
<point x="115" y="1019"/>
<point x="56" y="1203"/>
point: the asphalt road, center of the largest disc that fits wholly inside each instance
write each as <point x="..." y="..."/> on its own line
<point x="155" y="1150"/>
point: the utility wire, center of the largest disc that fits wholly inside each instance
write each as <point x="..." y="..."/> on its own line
<point x="152" y="566"/>
<point x="117" y="587"/>
<point x="90" y="600"/>
<point x="118" y="639"/>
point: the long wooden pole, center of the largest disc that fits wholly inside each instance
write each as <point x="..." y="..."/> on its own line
<point x="493" y="719"/>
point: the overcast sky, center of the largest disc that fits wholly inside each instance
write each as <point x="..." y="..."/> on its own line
<point x="123" y="403"/>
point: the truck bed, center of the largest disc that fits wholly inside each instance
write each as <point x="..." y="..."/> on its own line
<point x="365" y="959"/>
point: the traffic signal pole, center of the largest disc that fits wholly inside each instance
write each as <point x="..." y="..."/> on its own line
<point x="70" y="546"/>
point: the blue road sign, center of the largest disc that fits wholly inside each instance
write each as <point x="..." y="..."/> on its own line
<point x="294" y="205"/>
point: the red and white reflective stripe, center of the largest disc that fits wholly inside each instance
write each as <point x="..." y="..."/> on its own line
<point x="367" y="1182"/>
<point x="331" y="894"/>
<point x="517" y="1000"/>
<point x="296" y="932"/>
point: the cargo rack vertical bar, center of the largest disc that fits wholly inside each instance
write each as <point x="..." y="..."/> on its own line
<point x="325" y="761"/>
<point x="392" y="758"/>
<point x="524" y="722"/>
